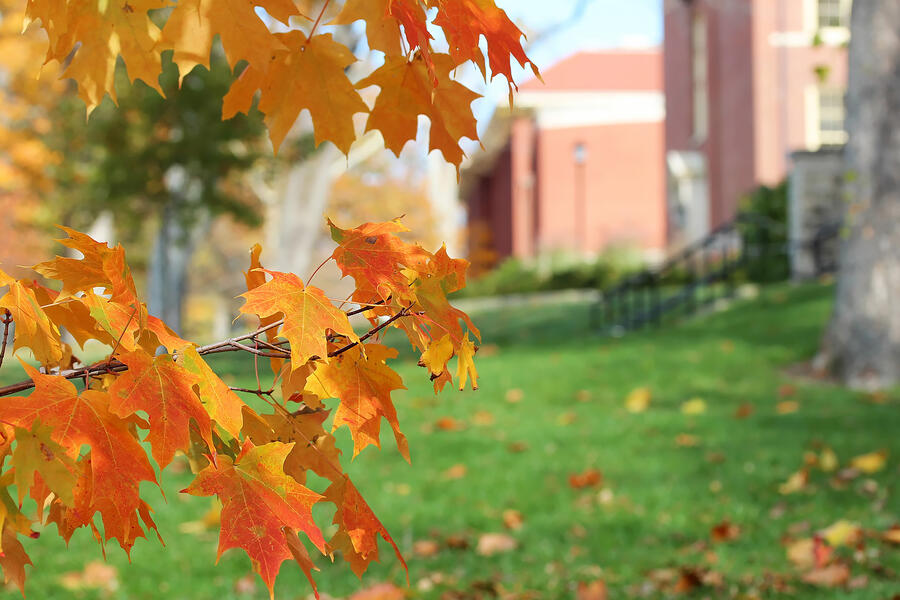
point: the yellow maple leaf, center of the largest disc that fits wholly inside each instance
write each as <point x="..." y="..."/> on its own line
<point x="871" y="462"/>
<point x="694" y="406"/>
<point x="638" y="400"/>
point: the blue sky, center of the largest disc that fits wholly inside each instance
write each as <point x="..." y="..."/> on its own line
<point x="604" y="24"/>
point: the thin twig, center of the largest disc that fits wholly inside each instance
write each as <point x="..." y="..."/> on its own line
<point x="254" y="392"/>
<point x="404" y="312"/>
<point x="7" y="321"/>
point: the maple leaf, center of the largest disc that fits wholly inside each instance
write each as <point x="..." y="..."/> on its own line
<point x="164" y="390"/>
<point x="106" y="30"/>
<point x="436" y="356"/>
<point x="193" y="24"/>
<point x="301" y="556"/>
<point x="222" y="404"/>
<point x="34" y="329"/>
<point x="37" y="452"/>
<point x="373" y="256"/>
<point x="99" y="267"/>
<point x="465" y="21"/>
<point x="258" y="500"/>
<point x="117" y="461"/>
<point x="307" y="315"/>
<point x="310" y="74"/>
<point x="465" y="363"/>
<point x="316" y="450"/>
<point x="358" y="527"/>
<point x="13" y="559"/>
<point x="407" y="90"/>
<point x="362" y="381"/>
<point x="382" y="28"/>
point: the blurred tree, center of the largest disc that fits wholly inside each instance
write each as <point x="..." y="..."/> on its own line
<point x="862" y="343"/>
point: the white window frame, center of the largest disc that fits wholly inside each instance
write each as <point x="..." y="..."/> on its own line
<point x="815" y="136"/>
<point x="830" y="36"/>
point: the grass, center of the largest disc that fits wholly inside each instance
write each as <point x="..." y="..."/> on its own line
<point x="658" y="501"/>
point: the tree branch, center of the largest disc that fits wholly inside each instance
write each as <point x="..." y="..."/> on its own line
<point x="110" y="365"/>
<point x="7" y="321"/>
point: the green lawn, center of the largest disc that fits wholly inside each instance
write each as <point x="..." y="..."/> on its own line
<point x="658" y="501"/>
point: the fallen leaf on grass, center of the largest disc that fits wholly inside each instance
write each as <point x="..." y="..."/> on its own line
<point x="595" y="590"/>
<point x="517" y="447"/>
<point x="809" y="553"/>
<point x="787" y="407"/>
<point x="490" y="544"/>
<point x="566" y="419"/>
<point x="513" y="519"/>
<point x="457" y="541"/>
<point x="589" y="478"/>
<point x="95" y="576"/>
<point x="871" y="462"/>
<point x="694" y="406"/>
<point x="246" y="585"/>
<point x="448" y="424"/>
<point x="638" y="400"/>
<point x="830" y="576"/>
<point x="380" y="591"/>
<point x="725" y="532"/>
<point x="483" y="418"/>
<point x="686" y="440"/>
<point x="795" y="483"/>
<point x="786" y="390"/>
<point x="743" y="411"/>
<point x="514" y="396"/>
<point x="828" y="460"/>
<point x="583" y="395"/>
<point x="892" y="535"/>
<point x="426" y="548"/>
<point x="842" y="533"/>
<point x="456" y="472"/>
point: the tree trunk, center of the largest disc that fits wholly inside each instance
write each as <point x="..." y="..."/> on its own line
<point x="172" y="253"/>
<point x="862" y="343"/>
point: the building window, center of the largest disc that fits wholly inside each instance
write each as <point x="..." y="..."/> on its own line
<point x="831" y="117"/>
<point x="833" y="14"/>
<point x="700" y="76"/>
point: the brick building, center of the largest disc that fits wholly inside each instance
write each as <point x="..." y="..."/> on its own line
<point x="747" y="82"/>
<point x="577" y="165"/>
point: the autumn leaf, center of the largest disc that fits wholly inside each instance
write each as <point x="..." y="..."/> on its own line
<point x="694" y="406"/>
<point x="13" y="559"/>
<point x="307" y="315"/>
<point x="118" y="463"/>
<point x="638" y="400"/>
<point x="222" y="405"/>
<point x="34" y="329"/>
<point x="436" y="356"/>
<point x="193" y="24"/>
<point x="842" y="533"/>
<point x="358" y="527"/>
<point x="373" y="256"/>
<point x="309" y="74"/>
<point x="490" y="544"/>
<point x="258" y="501"/>
<point x="36" y="452"/>
<point x="465" y="21"/>
<point x="408" y="90"/>
<point x="164" y="390"/>
<point x="871" y="462"/>
<point x="831" y="576"/>
<point x="466" y="364"/>
<point x="589" y="478"/>
<point x="363" y="382"/>
<point x="382" y="28"/>
<point x="796" y="482"/>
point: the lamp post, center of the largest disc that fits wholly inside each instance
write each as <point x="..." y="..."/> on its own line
<point x="581" y="222"/>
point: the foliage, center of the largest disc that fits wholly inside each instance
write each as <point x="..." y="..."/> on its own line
<point x="764" y="214"/>
<point x="254" y="461"/>
<point x="301" y="68"/>
<point x="518" y="276"/>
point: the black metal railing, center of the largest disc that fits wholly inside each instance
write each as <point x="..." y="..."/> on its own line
<point x="748" y="248"/>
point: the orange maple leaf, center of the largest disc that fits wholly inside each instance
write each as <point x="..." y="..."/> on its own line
<point x="408" y="90"/>
<point x="374" y="257"/>
<point x="310" y="74"/>
<point x="33" y="327"/>
<point x="193" y="24"/>
<point x="307" y="315"/>
<point x="164" y="390"/>
<point x="382" y="28"/>
<point x="223" y="405"/>
<point x="117" y="462"/>
<point x="362" y="381"/>
<point x="358" y="527"/>
<point x="258" y="500"/>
